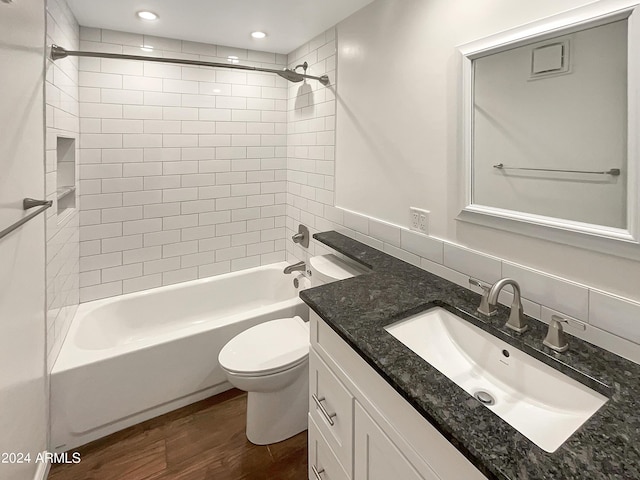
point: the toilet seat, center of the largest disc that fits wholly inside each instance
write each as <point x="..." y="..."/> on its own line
<point x="268" y="348"/>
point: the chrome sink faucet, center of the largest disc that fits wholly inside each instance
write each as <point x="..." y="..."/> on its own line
<point x="489" y="302"/>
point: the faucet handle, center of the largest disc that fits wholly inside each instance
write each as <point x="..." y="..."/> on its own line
<point x="477" y="283"/>
<point x="485" y="308"/>
<point x="570" y="321"/>
<point x="302" y="237"/>
<point x="556" y="338"/>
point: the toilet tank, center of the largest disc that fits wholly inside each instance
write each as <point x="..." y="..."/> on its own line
<point x="330" y="268"/>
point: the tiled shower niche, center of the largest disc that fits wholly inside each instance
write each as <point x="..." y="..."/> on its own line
<point x="66" y="176"/>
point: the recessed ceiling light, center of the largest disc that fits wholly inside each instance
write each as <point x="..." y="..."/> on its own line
<point x="232" y="59"/>
<point x="146" y="48"/>
<point x="146" y="15"/>
<point x="258" y="34"/>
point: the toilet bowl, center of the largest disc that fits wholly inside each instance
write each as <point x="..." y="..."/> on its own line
<point x="271" y="363"/>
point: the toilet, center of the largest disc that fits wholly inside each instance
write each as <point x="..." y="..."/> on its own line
<point x="271" y="363"/>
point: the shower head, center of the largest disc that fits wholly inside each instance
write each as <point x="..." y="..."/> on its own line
<point x="290" y="75"/>
<point x="294" y="76"/>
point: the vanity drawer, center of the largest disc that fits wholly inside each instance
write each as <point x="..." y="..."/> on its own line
<point x="322" y="458"/>
<point x="331" y="408"/>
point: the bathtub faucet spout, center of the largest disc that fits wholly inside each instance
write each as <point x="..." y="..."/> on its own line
<point x="297" y="267"/>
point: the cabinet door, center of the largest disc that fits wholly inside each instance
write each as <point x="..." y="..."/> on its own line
<point x="323" y="464"/>
<point x="331" y="407"/>
<point x="376" y="457"/>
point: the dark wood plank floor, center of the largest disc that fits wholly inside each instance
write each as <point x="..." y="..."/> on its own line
<point x="203" y="441"/>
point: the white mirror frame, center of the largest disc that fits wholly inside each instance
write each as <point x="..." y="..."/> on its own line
<point x="614" y="241"/>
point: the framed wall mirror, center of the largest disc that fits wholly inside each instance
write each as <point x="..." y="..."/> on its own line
<point x="550" y="128"/>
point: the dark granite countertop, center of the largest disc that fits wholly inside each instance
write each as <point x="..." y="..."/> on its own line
<point x="607" y="446"/>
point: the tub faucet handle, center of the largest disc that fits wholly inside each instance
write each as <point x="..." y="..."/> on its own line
<point x="302" y="237"/>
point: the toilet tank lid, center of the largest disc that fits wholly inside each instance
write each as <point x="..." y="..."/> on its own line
<point x="329" y="267"/>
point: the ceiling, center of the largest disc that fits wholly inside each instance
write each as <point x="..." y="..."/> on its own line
<point x="288" y="23"/>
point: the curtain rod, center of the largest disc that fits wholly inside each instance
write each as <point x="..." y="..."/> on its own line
<point x="58" y="52"/>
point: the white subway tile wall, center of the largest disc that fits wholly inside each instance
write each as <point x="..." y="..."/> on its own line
<point x="612" y="322"/>
<point x="553" y="292"/>
<point x="311" y="142"/>
<point x="482" y="267"/>
<point x="183" y="169"/>
<point x="614" y="314"/>
<point x="61" y="97"/>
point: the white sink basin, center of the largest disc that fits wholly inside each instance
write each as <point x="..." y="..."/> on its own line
<point x="535" y="399"/>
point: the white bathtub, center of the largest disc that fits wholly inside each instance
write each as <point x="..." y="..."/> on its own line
<point x="130" y="358"/>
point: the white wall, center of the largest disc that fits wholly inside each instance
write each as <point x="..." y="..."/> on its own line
<point x="23" y="384"/>
<point x="571" y="121"/>
<point x="396" y="146"/>
<point x="63" y="231"/>
<point x="183" y="169"/>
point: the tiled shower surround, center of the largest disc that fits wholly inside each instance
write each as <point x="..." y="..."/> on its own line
<point x="62" y="230"/>
<point x="311" y="139"/>
<point x="183" y="169"/>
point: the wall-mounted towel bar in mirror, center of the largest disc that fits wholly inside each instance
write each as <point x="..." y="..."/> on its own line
<point x="612" y="171"/>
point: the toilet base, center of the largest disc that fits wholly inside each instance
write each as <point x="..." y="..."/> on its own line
<point x="275" y="416"/>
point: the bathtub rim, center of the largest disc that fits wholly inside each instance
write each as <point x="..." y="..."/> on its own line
<point x="71" y="356"/>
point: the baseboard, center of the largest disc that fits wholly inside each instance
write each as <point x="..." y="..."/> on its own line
<point x="43" y="471"/>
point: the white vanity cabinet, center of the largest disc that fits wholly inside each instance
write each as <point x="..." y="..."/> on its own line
<point x="376" y="457"/>
<point x="360" y="428"/>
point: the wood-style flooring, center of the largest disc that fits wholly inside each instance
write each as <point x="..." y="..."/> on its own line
<point x="203" y="441"/>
